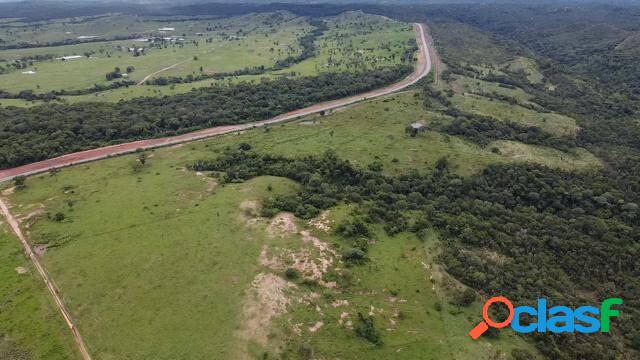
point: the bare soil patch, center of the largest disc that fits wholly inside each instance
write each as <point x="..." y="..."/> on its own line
<point x="265" y="300"/>
<point x="322" y="222"/>
<point x="21" y="270"/>
<point x="40" y="250"/>
<point x="283" y="224"/>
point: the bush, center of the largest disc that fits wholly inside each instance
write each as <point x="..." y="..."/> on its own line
<point x="366" y="330"/>
<point x="354" y="257"/>
<point x="19" y="182"/>
<point x="58" y="217"/>
<point x="291" y="274"/>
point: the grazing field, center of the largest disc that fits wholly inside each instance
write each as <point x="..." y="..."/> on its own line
<point x="163" y="280"/>
<point x="577" y="159"/>
<point x="138" y="248"/>
<point x="30" y="325"/>
<point x="359" y="41"/>
<point x="464" y="84"/>
<point x="171" y="274"/>
<point x="354" y="41"/>
<point x="549" y="122"/>
<point x="249" y="41"/>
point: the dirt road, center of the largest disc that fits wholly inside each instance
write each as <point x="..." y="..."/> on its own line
<point x="161" y="70"/>
<point x="15" y="227"/>
<point x="423" y="67"/>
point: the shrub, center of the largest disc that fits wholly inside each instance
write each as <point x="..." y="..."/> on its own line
<point x="354" y="256"/>
<point x="366" y="330"/>
<point x="58" y="217"/>
<point x="291" y="274"/>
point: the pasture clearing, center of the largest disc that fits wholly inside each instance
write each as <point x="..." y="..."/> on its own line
<point x="30" y="324"/>
<point x="354" y="42"/>
<point x="576" y="159"/>
<point x="257" y="40"/>
<point x="170" y="273"/>
<point x="550" y="122"/>
<point x="464" y="84"/>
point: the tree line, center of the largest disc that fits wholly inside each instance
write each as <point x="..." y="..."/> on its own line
<point x="41" y="132"/>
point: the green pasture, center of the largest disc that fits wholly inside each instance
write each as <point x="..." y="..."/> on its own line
<point x="31" y="327"/>
<point x="147" y="257"/>
<point x="262" y="45"/>
<point x="549" y="122"/>
<point x="354" y="42"/>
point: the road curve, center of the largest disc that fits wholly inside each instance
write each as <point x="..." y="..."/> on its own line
<point x="422" y="68"/>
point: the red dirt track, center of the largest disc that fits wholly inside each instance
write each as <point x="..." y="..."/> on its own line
<point x="423" y="67"/>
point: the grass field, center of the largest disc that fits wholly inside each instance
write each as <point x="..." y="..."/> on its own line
<point x="465" y="84"/>
<point x="528" y="66"/>
<point x="549" y="122"/>
<point x="359" y="41"/>
<point x="165" y="278"/>
<point x="354" y="41"/>
<point x="265" y="39"/>
<point x="30" y="325"/>
<point x="408" y="297"/>
<point x="578" y="159"/>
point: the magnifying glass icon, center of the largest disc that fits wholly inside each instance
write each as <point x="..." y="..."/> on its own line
<point x="484" y="325"/>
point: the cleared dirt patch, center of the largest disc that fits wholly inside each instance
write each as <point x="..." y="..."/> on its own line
<point x="265" y="300"/>
<point x="282" y="225"/>
<point x="40" y="250"/>
<point x="316" y="326"/>
<point x="322" y="222"/>
<point x="21" y="270"/>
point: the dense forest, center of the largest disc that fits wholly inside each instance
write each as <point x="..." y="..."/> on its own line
<point x="41" y="132"/>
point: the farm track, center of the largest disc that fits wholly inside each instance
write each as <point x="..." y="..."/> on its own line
<point x="160" y="71"/>
<point x="423" y="67"/>
<point x="53" y="290"/>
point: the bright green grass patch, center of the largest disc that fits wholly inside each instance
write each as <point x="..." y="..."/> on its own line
<point x="398" y="289"/>
<point x="30" y="325"/>
<point x="354" y="41"/>
<point x="528" y="66"/>
<point x="358" y="41"/>
<point x="152" y="264"/>
<point x="145" y="90"/>
<point x="465" y="84"/>
<point x="577" y="159"/>
<point x="549" y="122"/>
<point x="268" y="40"/>
<point x="19" y="102"/>
<point x="371" y="131"/>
